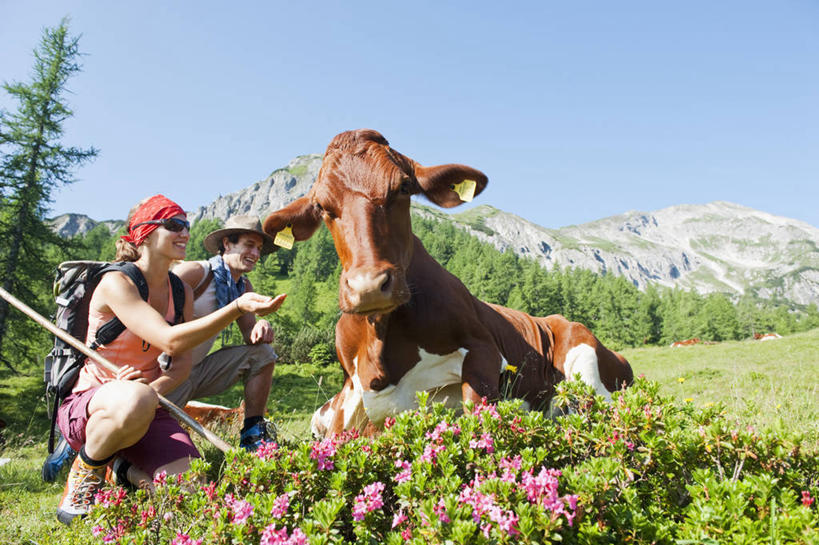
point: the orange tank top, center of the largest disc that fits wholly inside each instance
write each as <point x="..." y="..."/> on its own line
<point x="125" y="349"/>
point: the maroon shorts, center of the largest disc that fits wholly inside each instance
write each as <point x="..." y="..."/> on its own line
<point x="164" y="442"/>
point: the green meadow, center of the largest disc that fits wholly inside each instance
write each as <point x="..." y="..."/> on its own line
<point x="769" y="385"/>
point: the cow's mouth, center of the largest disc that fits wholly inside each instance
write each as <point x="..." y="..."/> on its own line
<point x="371" y="311"/>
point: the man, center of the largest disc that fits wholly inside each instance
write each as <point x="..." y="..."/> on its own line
<point x="217" y="283"/>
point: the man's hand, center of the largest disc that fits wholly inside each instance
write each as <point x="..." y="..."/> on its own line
<point x="261" y="305"/>
<point x="262" y="333"/>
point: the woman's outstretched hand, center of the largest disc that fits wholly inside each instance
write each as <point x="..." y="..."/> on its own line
<point x="261" y="305"/>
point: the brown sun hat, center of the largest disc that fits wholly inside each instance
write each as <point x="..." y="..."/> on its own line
<point x="239" y="225"/>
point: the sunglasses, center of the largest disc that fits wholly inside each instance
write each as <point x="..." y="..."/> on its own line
<point x="171" y="224"/>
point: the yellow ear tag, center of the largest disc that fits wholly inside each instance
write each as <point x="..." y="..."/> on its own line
<point x="285" y="238"/>
<point x="465" y="190"/>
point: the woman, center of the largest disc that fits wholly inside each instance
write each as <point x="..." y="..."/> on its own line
<point x="117" y="413"/>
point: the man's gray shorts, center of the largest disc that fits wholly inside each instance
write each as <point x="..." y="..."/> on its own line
<point x="220" y="370"/>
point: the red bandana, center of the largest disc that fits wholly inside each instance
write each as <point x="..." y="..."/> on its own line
<point x="157" y="207"/>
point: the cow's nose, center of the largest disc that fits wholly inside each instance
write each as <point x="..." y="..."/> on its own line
<point x="370" y="290"/>
<point x="386" y="284"/>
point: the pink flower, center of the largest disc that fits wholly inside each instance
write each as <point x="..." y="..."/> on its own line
<point x="542" y="490"/>
<point x="406" y="471"/>
<point x="147" y="515"/>
<point x="97" y="530"/>
<point x="485" y="442"/>
<point x="280" y="506"/>
<point x="442" y="427"/>
<point x="369" y="500"/>
<point x="484" y="408"/>
<point x="161" y="477"/>
<point x="184" y="539"/>
<point x="242" y="510"/>
<point x="406" y="534"/>
<point x="271" y="536"/>
<point x="510" y="468"/>
<point x="440" y="510"/>
<point x="267" y="450"/>
<point x="399" y="518"/>
<point x="323" y="450"/>
<point x="807" y="501"/>
<point x="431" y="453"/>
<point x="209" y="490"/>
<point x="108" y="497"/>
<point x="507" y="522"/>
<point x="481" y="503"/>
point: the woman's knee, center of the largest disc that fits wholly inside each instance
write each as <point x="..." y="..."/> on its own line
<point x="127" y="403"/>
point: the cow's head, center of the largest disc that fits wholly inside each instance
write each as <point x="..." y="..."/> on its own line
<point x="362" y="193"/>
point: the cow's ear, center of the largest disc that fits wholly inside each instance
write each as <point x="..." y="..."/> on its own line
<point x="450" y="185"/>
<point x="296" y="221"/>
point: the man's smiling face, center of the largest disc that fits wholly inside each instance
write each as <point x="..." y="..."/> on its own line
<point x="242" y="255"/>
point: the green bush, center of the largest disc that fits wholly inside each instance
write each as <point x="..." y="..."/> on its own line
<point x="322" y="354"/>
<point x="638" y="470"/>
<point x="306" y="339"/>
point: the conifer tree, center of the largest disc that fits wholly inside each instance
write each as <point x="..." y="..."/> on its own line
<point x="33" y="163"/>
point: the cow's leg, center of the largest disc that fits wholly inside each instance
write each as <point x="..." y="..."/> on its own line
<point x="329" y="418"/>
<point x="481" y="372"/>
<point x="582" y="360"/>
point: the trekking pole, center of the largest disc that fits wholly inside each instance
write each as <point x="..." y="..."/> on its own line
<point x="178" y="413"/>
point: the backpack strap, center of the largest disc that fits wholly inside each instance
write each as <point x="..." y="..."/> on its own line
<point x="204" y="283"/>
<point x="178" y="291"/>
<point x="112" y="329"/>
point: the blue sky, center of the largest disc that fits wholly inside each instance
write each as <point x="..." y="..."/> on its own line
<point x="575" y="110"/>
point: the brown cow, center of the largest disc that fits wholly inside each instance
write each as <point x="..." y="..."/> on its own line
<point x="687" y="342"/>
<point x="407" y="323"/>
<point x="208" y="414"/>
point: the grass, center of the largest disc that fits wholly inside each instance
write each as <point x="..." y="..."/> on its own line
<point x="770" y="384"/>
<point x="764" y="384"/>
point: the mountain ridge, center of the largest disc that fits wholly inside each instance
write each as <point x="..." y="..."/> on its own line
<point x="714" y="247"/>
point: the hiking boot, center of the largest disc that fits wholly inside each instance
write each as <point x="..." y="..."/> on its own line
<point x="253" y="437"/>
<point x="116" y="474"/>
<point x="83" y="482"/>
<point x="54" y="462"/>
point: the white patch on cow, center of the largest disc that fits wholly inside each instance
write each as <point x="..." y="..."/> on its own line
<point x="438" y="374"/>
<point x="354" y="415"/>
<point x="583" y="360"/>
<point x="320" y="423"/>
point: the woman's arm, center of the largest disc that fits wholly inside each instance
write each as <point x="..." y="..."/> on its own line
<point x="119" y="295"/>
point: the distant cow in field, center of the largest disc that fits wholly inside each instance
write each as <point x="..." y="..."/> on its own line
<point x="687" y="342"/>
<point x="766" y="336"/>
<point x="408" y="325"/>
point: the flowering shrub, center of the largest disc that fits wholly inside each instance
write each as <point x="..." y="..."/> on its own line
<point x="639" y="470"/>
